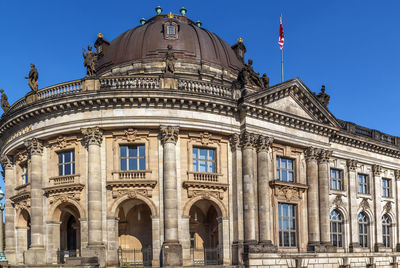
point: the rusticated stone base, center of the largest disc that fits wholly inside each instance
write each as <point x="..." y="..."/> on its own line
<point x="171" y="253"/>
<point x="11" y="256"/>
<point x="35" y="256"/>
<point x="263" y="247"/>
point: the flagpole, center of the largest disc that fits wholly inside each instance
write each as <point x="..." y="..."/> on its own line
<point x="282" y="63"/>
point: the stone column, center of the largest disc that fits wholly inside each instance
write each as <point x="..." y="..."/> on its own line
<point x="377" y="182"/>
<point x="249" y="202"/>
<point x="223" y="238"/>
<point x="323" y="183"/>
<point x="112" y="241"/>
<point x="171" y="249"/>
<point x="93" y="138"/>
<point x="22" y="233"/>
<point x="237" y="199"/>
<point x="311" y="155"/>
<point x="396" y="187"/>
<point x="264" y="196"/>
<point x="10" y="233"/>
<point x="352" y="171"/>
<point x="36" y="253"/>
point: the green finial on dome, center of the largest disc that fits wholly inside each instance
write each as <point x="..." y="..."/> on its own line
<point x="198" y="23"/>
<point x="183" y="11"/>
<point x="142" y="21"/>
<point x="158" y="10"/>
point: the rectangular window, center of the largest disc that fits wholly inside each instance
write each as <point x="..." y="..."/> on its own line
<point x="386" y="187"/>
<point x="171" y="30"/>
<point x="204" y="160"/>
<point x="284" y="169"/>
<point x="287" y="225"/>
<point x="66" y="163"/>
<point x="336" y="179"/>
<point x="363" y="184"/>
<point x="132" y="157"/>
<point x="24" y="174"/>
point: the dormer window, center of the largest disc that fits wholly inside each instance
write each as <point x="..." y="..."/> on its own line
<point x="171" y="30"/>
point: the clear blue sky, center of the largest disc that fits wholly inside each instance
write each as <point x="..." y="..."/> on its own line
<point x="353" y="47"/>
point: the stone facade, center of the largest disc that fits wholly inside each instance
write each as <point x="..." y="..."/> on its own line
<point x="180" y="170"/>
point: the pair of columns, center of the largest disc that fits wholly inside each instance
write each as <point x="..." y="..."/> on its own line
<point x="318" y="180"/>
<point x="245" y="196"/>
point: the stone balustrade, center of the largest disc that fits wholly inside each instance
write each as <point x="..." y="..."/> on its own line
<point x="129" y="82"/>
<point x="205" y="88"/>
<point x="62" y="89"/>
<point x="131" y="175"/>
<point x="63" y="180"/>
<point x="203" y="176"/>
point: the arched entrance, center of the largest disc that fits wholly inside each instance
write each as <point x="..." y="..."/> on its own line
<point x="23" y="233"/>
<point x="134" y="233"/>
<point x="204" y="233"/>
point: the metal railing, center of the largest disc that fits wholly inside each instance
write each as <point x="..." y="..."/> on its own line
<point x="206" y="256"/>
<point x="135" y="257"/>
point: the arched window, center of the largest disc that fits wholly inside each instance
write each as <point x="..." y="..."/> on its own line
<point x="386" y="230"/>
<point x="336" y="228"/>
<point x="363" y="229"/>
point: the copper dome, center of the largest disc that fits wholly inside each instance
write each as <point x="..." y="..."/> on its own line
<point x="150" y="41"/>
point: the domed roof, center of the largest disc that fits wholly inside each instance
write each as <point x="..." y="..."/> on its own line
<point x="150" y="41"/>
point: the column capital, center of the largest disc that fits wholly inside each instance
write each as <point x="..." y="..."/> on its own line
<point x="263" y="143"/>
<point x="7" y="162"/>
<point x="352" y="164"/>
<point x="92" y="136"/>
<point x="169" y="134"/>
<point x="377" y="170"/>
<point x="324" y="156"/>
<point x="311" y="154"/>
<point x="397" y="174"/>
<point x="34" y="146"/>
<point x="247" y="140"/>
<point x="235" y="141"/>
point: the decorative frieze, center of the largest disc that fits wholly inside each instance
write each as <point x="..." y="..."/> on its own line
<point x="34" y="146"/>
<point x="247" y="140"/>
<point x="377" y="170"/>
<point x="288" y="191"/>
<point x="62" y="142"/>
<point x="263" y="143"/>
<point x="200" y="188"/>
<point x="131" y="193"/>
<point x="7" y="162"/>
<point x="92" y="136"/>
<point x="169" y="134"/>
<point x="64" y="197"/>
<point x="352" y="164"/>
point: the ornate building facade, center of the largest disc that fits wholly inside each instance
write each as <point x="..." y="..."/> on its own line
<point x="173" y="151"/>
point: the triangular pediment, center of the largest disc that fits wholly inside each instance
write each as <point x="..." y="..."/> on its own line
<point x="294" y="99"/>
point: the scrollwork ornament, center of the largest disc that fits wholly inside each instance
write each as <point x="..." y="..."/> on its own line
<point x="130" y="134"/>
<point x="352" y="164"/>
<point x="397" y="174"/>
<point x="205" y="138"/>
<point x="169" y="134"/>
<point x="377" y="170"/>
<point x="6" y="162"/>
<point x="92" y="136"/>
<point x="264" y="143"/>
<point x="235" y="142"/>
<point x="34" y="146"/>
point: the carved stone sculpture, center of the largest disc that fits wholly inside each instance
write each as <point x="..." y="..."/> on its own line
<point x="169" y="134"/>
<point x="34" y="146"/>
<point x="90" y="60"/>
<point x="169" y="61"/>
<point x="247" y="76"/>
<point x="323" y="97"/>
<point x="4" y="101"/>
<point x="265" y="81"/>
<point x="92" y="135"/>
<point x="33" y="78"/>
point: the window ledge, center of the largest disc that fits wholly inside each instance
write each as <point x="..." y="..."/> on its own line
<point x="66" y="179"/>
<point x="131" y="174"/>
<point x="203" y="176"/>
<point x="338" y="192"/>
<point x="387" y="199"/>
<point x="367" y="196"/>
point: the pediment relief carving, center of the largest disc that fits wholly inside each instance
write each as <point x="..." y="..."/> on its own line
<point x="205" y="138"/>
<point x="131" y="193"/>
<point x="205" y="189"/>
<point x="130" y="134"/>
<point x="62" y="142"/>
<point x="287" y="191"/>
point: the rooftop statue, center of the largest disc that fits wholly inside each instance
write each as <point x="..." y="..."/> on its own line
<point x="247" y="76"/>
<point x="265" y="81"/>
<point x="169" y="61"/>
<point x="4" y="101"/>
<point x="33" y="78"/>
<point x="90" y="60"/>
<point x="323" y="97"/>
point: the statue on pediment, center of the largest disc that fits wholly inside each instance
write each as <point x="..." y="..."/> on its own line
<point x="4" y="101"/>
<point x="323" y="97"/>
<point x="247" y="76"/>
<point x="169" y="60"/>
<point x="33" y="77"/>
<point x="265" y="81"/>
<point x="90" y="60"/>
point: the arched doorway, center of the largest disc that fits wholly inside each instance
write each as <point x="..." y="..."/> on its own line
<point x="204" y="233"/>
<point x="134" y="233"/>
<point x="24" y="230"/>
<point x="70" y="231"/>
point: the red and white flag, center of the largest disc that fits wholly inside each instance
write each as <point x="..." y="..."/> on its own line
<point x="281" y="36"/>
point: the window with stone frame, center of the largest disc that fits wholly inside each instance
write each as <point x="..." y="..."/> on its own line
<point x="386" y="230"/>
<point x="386" y="187"/>
<point x="336" y="179"/>
<point x="24" y="174"/>
<point x="204" y="160"/>
<point x="66" y="163"/>
<point x="132" y="157"/>
<point x="363" y="184"/>
<point x="363" y="229"/>
<point x="287" y="225"/>
<point x="284" y="169"/>
<point x="336" y="228"/>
